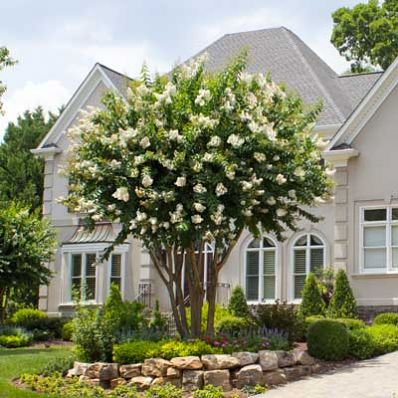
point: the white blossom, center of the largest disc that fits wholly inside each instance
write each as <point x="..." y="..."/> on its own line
<point x="299" y="172"/>
<point x="199" y="188"/>
<point x="280" y="179"/>
<point x="122" y="193"/>
<point x="259" y="157"/>
<point x="246" y="186"/>
<point x="197" y="219"/>
<point x="203" y="97"/>
<point x="145" y="143"/>
<point x="215" y="141"/>
<point x="235" y="140"/>
<point x="271" y="201"/>
<point x="147" y="181"/>
<point x="292" y="194"/>
<point x="221" y="189"/>
<point x="181" y="182"/>
<point x="281" y="212"/>
<point x="199" y="207"/>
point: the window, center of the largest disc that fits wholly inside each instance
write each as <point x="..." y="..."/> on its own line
<point x="116" y="270"/>
<point x="379" y="240"/>
<point x="83" y="275"/>
<point x="261" y="270"/>
<point x="308" y="256"/>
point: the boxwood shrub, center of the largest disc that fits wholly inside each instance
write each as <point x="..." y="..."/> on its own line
<point x="349" y="323"/>
<point x="387" y="318"/>
<point x="232" y="325"/>
<point x="328" y="340"/>
<point x="362" y="345"/>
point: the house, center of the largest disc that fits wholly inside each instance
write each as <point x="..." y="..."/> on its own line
<point x="359" y="230"/>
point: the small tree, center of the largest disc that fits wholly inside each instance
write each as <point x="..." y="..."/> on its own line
<point x="5" y="61"/>
<point x="26" y="243"/>
<point x="192" y="161"/>
<point x="343" y="303"/>
<point x="238" y="303"/>
<point x="312" y="302"/>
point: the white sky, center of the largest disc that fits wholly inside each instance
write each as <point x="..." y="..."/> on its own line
<point x="57" y="43"/>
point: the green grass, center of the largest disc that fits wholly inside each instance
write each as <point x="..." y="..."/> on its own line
<point x="14" y="362"/>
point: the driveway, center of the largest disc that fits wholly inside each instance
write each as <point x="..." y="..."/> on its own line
<point x="374" y="378"/>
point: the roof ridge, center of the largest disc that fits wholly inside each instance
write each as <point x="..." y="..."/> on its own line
<point x="323" y="89"/>
<point x="257" y="30"/>
<point x="113" y="70"/>
<point x="380" y="72"/>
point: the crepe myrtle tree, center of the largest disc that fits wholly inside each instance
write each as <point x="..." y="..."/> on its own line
<point x="193" y="159"/>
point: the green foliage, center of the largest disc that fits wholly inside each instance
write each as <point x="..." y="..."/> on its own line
<point x="254" y="390"/>
<point x="68" y="330"/>
<point x="5" y="61"/>
<point x="93" y="335"/>
<point x="366" y="34"/>
<point x="342" y="303"/>
<point x="387" y="318"/>
<point x="209" y="391"/>
<point x="325" y="277"/>
<point x="158" y="322"/>
<point x="312" y="302"/>
<point x="165" y="391"/>
<point x="12" y="337"/>
<point x="283" y="317"/>
<point x="26" y="243"/>
<point x="328" y="340"/>
<point x="362" y="345"/>
<point x="220" y="313"/>
<point x="124" y="317"/>
<point x="58" y="365"/>
<point x="29" y="318"/>
<point x="233" y="325"/>
<point x="139" y="350"/>
<point x="123" y="391"/>
<point x="349" y="323"/>
<point x="238" y="303"/>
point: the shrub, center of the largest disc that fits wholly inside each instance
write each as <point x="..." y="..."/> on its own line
<point x="209" y="391"/>
<point x="136" y="351"/>
<point x="232" y="325"/>
<point x="29" y="318"/>
<point x="362" y="345"/>
<point x="281" y="316"/>
<point x="238" y="303"/>
<point x="254" y="390"/>
<point x="385" y="337"/>
<point x="165" y="391"/>
<point x="387" y="318"/>
<point x="58" y="365"/>
<point x="12" y="337"/>
<point x="220" y="313"/>
<point x="328" y="340"/>
<point x="325" y="278"/>
<point x="158" y="322"/>
<point x="67" y="331"/>
<point x="342" y="303"/>
<point x="312" y="302"/>
<point x="12" y="341"/>
<point x="123" y="391"/>
<point x="93" y="335"/>
<point x="350" y="324"/>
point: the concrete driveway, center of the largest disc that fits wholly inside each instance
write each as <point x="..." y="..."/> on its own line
<point x="374" y="378"/>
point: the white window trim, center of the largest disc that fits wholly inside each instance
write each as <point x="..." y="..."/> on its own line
<point x="261" y="250"/>
<point x="388" y="225"/>
<point x="308" y="248"/>
<point x="122" y="273"/>
<point x="102" y="273"/>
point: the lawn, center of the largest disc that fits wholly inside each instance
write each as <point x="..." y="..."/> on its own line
<point x="14" y="362"/>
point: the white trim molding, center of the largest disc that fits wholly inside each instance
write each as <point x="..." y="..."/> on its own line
<point x="46" y="153"/>
<point x="340" y="157"/>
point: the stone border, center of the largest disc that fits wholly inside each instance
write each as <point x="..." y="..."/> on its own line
<point x="240" y="369"/>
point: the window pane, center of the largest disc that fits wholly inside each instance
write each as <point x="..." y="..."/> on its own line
<point x="298" y="285"/>
<point x="299" y="262"/>
<point x="76" y="285"/>
<point x="269" y="287"/>
<point x="315" y="241"/>
<point x="269" y="262"/>
<point x="117" y="282"/>
<point x="395" y="259"/>
<point x="254" y="244"/>
<point x="76" y="265"/>
<point x="394" y="235"/>
<point x="252" y="260"/>
<point x="374" y="258"/>
<point x="90" y="267"/>
<point x="394" y="214"/>
<point x="302" y="241"/>
<point x="116" y="265"/>
<point x="374" y="236"/>
<point x="252" y="288"/>
<point x="268" y="243"/>
<point x="316" y="260"/>
<point x="375" y="215"/>
<point x="90" y="289"/>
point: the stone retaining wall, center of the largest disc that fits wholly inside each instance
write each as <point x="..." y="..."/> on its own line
<point x="228" y="371"/>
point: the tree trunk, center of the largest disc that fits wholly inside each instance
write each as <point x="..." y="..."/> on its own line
<point x="2" y="305"/>
<point x="211" y="296"/>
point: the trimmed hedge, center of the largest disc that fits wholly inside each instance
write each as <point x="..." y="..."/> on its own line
<point x="362" y="345"/>
<point x="349" y="323"/>
<point x="328" y="340"/>
<point x="233" y="325"/>
<point x="29" y="318"/>
<point x="387" y="318"/>
<point x="67" y="331"/>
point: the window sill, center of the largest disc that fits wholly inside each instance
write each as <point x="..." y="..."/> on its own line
<point x="376" y="275"/>
<point x="84" y="303"/>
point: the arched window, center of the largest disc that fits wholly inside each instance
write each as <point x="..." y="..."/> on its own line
<point x="308" y="256"/>
<point x="261" y="270"/>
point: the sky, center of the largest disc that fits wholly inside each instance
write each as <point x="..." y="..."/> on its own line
<point x="57" y="43"/>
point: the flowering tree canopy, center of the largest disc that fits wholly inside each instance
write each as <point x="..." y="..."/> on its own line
<point x="197" y="158"/>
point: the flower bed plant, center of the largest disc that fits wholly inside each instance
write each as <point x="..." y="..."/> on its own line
<point x="12" y="337"/>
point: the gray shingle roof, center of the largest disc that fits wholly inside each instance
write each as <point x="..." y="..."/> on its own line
<point x="119" y="80"/>
<point x="289" y="60"/>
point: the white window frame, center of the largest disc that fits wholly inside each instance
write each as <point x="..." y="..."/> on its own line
<point x="388" y="224"/>
<point x="261" y="249"/>
<point x="122" y="272"/>
<point x="308" y="247"/>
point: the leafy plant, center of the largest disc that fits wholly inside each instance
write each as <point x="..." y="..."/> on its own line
<point x="254" y="390"/>
<point x="158" y="322"/>
<point x="58" y="365"/>
<point x="362" y="345"/>
<point x="124" y="391"/>
<point x="328" y="340"/>
<point x="166" y="391"/>
<point x="342" y="303"/>
<point x="29" y="318"/>
<point x="232" y="325"/>
<point x="387" y="318"/>
<point x="12" y="337"/>
<point x="209" y="391"/>
<point x="238" y="303"/>
<point x="67" y="331"/>
<point x="312" y="302"/>
<point x="325" y="277"/>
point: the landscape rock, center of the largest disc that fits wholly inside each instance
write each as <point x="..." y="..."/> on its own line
<point x="303" y="358"/>
<point x="189" y="363"/>
<point x="102" y="371"/>
<point x="155" y="367"/>
<point x="165" y="380"/>
<point x="117" y="382"/>
<point x="141" y="382"/>
<point x="249" y="375"/>
<point x="130" y="371"/>
<point x="218" y="378"/>
<point x="80" y="368"/>
<point x="219" y="361"/>
<point x="285" y="359"/>
<point x="246" y="358"/>
<point x="192" y="379"/>
<point x="268" y="360"/>
<point x="173" y="373"/>
<point x="275" y="377"/>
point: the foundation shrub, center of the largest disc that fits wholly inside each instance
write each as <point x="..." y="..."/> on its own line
<point x="362" y="344"/>
<point x="238" y="303"/>
<point x="387" y="318"/>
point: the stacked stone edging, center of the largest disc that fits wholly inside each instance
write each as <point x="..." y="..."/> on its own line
<point x="227" y="371"/>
